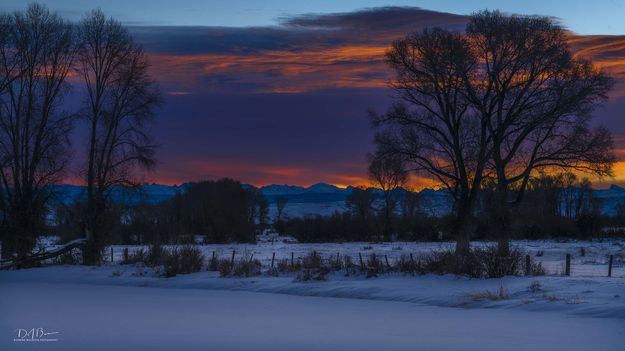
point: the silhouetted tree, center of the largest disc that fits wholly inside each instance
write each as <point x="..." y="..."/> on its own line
<point x="432" y="126"/>
<point x="387" y="171"/>
<point x="281" y="202"/>
<point x="36" y="56"/>
<point x="220" y="210"/>
<point x="535" y="98"/>
<point x="360" y="203"/>
<point x="120" y="102"/>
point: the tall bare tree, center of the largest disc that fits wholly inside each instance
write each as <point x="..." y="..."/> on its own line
<point x="36" y="56"/>
<point x="281" y="202"/>
<point x="535" y="98"/>
<point x="433" y="127"/>
<point x="120" y="102"/>
<point x="388" y="172"/>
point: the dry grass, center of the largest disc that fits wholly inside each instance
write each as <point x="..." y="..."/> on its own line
<point x="499" y="295"/>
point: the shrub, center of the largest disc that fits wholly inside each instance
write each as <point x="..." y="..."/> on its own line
<point x="155" y="255"/>
<point x="536" y="268"/>
<point x="312" y="261"/>
<point x="213" y="264"/>
<point x="191" y="259"/>
<point x="69" y="257"/>
<point x="535" y="287"/>
<point x="243" y="267"/>
<point x="446" y="262"/>
<point x="138" y="256"/>
<point x="246" y="267"/>
<point x="335" y="262"/>
<point x="479" y="263"/>
<point x="224" y="266"/>
<point x="375" y="266"/>
<point x="350" y="267"/>
<point x="495" y="265"/>
<point x="407" y="264"/>
<point x="283" y="265"/>
<point x="177" y="260"/>
<point x="181" y="260"/>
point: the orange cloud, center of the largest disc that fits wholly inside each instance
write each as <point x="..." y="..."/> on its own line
<point x="272" y="71"/>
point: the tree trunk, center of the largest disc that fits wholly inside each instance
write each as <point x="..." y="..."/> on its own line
<point x="461" y="231"/>
<point x="502" y="217"/>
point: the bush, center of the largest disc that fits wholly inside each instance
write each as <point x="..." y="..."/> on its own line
<point x="312" y="261"/>
<point x="479" y="263"/>
<point x="213" y="264"/>
<point x="69" y="257"/>
<point x="407" y="264"/>
<point x="224" y="266"/>
<point x="246" y="267"/>
<point x="375" y="266"/>
<point x="177" y="260"/>
<point x="191" y="259"/>
<point x="312" y="268"/>
<point x="139" y="256"/>
<point x="497" y="266"/>
<point x="181" y="260"/>
<point x="243" y="267"/>
<point x="155" y="255"/>
<point x="335" y="262"/>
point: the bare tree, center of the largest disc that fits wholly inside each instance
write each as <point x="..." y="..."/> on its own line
<point x="535" y="98"/>
<point x="388" y="172"/>
<point x="433" y="127"/>
<point x="281" y="202"/>
<point x="36" y="56"/>
<point x="360" y="204"/>
<point x="120" y="101"/>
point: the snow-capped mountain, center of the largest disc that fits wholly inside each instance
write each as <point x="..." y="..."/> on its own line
<point x="320" y="198"/>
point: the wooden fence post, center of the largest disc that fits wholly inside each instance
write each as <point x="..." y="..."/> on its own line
<point x="528" y="265"/>
<point x="112" y="257"/>
<point x="232" y="259"/>
<point x="567" y="268"/>
<point x="273" y="258"/>
<point x="291" y="258"/>
<point x="610" y="265"/>
<point x="386" y="259"/>
<point x="362" y="265"/>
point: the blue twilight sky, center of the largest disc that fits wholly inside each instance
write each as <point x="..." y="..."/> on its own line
<point x="279" y="91"/>
<point x="583" y="17"/>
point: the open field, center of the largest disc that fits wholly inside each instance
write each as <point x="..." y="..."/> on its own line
<point x="96" y="317"/>
<point x="551" y="254"/>
<point x="131" y="307"/>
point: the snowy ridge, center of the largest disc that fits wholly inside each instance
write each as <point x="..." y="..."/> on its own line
<point x="317" y="199"/>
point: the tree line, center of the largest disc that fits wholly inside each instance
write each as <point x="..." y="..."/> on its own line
<point x="44" y="60"/>
<point x="557" y="205"/>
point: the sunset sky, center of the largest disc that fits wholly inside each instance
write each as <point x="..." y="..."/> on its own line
<point x="278" y="91"/>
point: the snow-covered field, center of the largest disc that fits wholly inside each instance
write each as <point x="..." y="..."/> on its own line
<point x="125" y="307"/>
<point x="551" y="254"/>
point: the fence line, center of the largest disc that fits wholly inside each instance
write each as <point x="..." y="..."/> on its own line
<point x="569" y="264"/>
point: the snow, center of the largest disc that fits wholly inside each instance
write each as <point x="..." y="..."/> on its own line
<point x="92" y="317"/>
<point x="550" y="253"/>
<point x="117" y="307"/>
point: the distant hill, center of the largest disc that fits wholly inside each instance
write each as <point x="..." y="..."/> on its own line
<point x="320" y="198"/>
